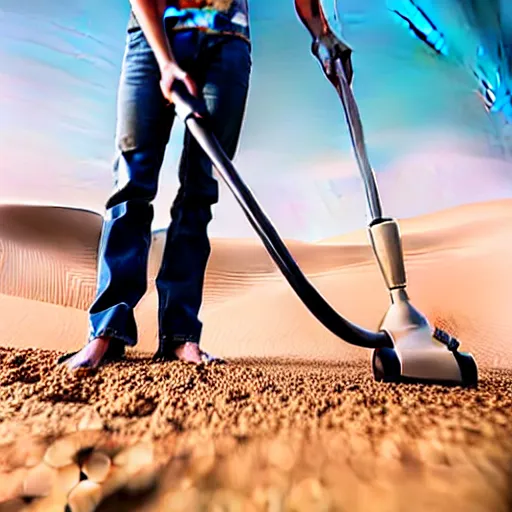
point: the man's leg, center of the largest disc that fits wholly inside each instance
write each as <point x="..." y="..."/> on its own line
<point x="143" y="130"/>
<point x="222" y="72"/>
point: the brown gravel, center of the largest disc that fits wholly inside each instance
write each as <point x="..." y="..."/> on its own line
<point x="250" y="435"/>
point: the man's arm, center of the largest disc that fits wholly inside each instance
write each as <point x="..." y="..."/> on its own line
<point x="149" y="14"/>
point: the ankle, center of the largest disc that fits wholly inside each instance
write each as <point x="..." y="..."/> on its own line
<point x="101" y="339"/>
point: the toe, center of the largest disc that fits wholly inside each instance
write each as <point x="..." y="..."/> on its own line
<point x="66" y="357"/>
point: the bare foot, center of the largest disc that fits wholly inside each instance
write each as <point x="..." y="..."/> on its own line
<point x="191" y="353"/>
<point x="91" y="356"/>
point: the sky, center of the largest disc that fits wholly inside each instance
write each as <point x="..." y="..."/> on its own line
<point x="431" y="140"/>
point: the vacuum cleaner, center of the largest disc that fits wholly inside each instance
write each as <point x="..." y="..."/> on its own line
<point x="406" y="348"/>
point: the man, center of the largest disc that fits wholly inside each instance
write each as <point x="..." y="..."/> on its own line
<point x="209" y="51"/>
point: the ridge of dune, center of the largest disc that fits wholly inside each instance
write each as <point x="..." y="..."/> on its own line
<point x="48" y="253"/>
<point x="461" y="217"/>
<point x="457" y="262"/>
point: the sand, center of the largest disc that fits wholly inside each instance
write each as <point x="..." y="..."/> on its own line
<point x="295" y="420"/>
<point x="257" y="435"/>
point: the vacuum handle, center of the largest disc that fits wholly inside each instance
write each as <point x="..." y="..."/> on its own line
<point x="186" y="104"/>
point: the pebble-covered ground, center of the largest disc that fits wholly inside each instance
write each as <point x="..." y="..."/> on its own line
<point x="248" y="435"/>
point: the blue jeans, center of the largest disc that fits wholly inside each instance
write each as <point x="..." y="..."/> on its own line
<point x="220" y="66"/>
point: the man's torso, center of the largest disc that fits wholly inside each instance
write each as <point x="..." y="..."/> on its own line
<point x="215" y="16"/>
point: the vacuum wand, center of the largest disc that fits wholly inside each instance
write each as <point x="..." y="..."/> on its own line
<point x="357" y="135"/>
<point x="419" y="353"/>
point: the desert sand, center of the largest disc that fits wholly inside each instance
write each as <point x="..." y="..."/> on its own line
<point x="294" y="421"/>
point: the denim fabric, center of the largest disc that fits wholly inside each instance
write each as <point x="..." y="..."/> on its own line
<point x="220" y="66"/>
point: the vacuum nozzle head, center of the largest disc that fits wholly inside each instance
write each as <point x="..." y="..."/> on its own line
<point x="425" y="356"/>
<point x="420" y="354"/>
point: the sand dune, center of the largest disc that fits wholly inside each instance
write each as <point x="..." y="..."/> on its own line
<point x="280" y="435"/>
<point x="458" y="264"/>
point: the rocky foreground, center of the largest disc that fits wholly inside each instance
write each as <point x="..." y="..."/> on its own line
<point x="249" y="435"/>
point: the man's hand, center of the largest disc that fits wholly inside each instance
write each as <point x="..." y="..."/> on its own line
<point x="171" y="72"/>
<point x="149" y="14"/>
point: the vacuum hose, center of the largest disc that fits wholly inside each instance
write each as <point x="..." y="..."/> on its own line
<point x="193" y="113"/>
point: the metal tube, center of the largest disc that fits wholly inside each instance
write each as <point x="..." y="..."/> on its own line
<point x="357" y="134"/>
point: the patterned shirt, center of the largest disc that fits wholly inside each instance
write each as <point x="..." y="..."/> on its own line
<point x="233" y="19"/>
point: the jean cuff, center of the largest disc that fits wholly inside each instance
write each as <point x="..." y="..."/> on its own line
<point x="175" y="340"/>
<point x="115" y="335"/>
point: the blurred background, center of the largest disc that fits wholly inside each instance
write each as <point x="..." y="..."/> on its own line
<point x="432" y="78"/>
